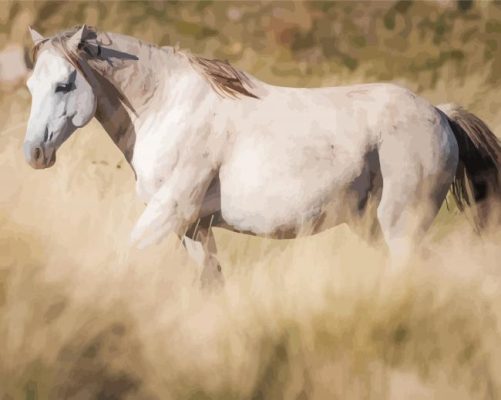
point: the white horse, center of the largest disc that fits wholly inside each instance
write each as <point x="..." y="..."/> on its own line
<point x="208" y="141"/>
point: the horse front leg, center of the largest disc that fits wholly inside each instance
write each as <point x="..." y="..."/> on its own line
<point x="199" y="239"/>
<point x="175" y="206"/>
<point x="201" y="247"/>
<point x="183" y="199"/>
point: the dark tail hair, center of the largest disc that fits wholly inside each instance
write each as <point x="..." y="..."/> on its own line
<point x="477" y="177"/>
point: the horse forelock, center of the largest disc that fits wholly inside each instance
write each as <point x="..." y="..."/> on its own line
<point x="56" y="41"/>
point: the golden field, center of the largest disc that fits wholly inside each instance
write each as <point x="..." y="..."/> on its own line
<point x="83" y="316"/>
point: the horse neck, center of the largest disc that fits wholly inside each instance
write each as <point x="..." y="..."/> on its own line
<point x="159" y="80"/>
<point x="126" y="88"/>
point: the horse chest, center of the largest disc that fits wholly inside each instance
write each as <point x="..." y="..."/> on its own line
<point x="152" y="164"/>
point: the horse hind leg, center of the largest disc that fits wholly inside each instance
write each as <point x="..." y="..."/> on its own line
<point x="367" y="190"/>
<point x="398" y="223"/>
<point x="418" y="159"/>
<point x="409" y="204"/>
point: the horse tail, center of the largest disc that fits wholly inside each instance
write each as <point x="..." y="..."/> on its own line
<point x="477" y="179"/>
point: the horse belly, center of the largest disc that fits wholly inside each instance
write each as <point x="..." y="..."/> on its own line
<point x="265" y="213"/>
<point x="273" y="198"/>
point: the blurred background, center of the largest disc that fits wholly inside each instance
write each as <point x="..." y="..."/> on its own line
<point x="82" y="316"/>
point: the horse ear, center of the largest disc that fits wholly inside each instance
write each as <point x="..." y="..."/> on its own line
<point x="78" y="37"/>
<point x="35" y="36"/>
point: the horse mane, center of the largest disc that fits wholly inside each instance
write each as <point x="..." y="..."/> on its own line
<point x="222" y="76"/>
<point x="59" y="41"/>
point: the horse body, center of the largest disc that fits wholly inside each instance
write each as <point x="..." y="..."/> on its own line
<point x="306" y="155"/>
<point x="204" y="138"/>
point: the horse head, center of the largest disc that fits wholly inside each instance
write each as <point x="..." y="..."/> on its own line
<point x="62" y="97"/>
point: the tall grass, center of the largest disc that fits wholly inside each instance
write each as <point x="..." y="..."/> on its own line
<point x="82" y="316"/>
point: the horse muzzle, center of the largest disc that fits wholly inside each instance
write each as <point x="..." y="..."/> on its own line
<point x="39" y="156"/>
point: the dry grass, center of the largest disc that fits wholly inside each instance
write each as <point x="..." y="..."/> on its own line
<point x="84" y="317"/>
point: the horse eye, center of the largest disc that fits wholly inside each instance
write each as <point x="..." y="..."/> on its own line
<point x="65" y="87"/>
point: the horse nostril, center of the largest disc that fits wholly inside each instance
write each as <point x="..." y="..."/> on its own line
<point x="37" y="152"/>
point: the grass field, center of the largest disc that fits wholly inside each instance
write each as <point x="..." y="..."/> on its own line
<point x="82" y="316"/>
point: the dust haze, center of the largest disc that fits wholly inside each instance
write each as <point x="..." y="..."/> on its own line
<point x="83" y="316"/>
